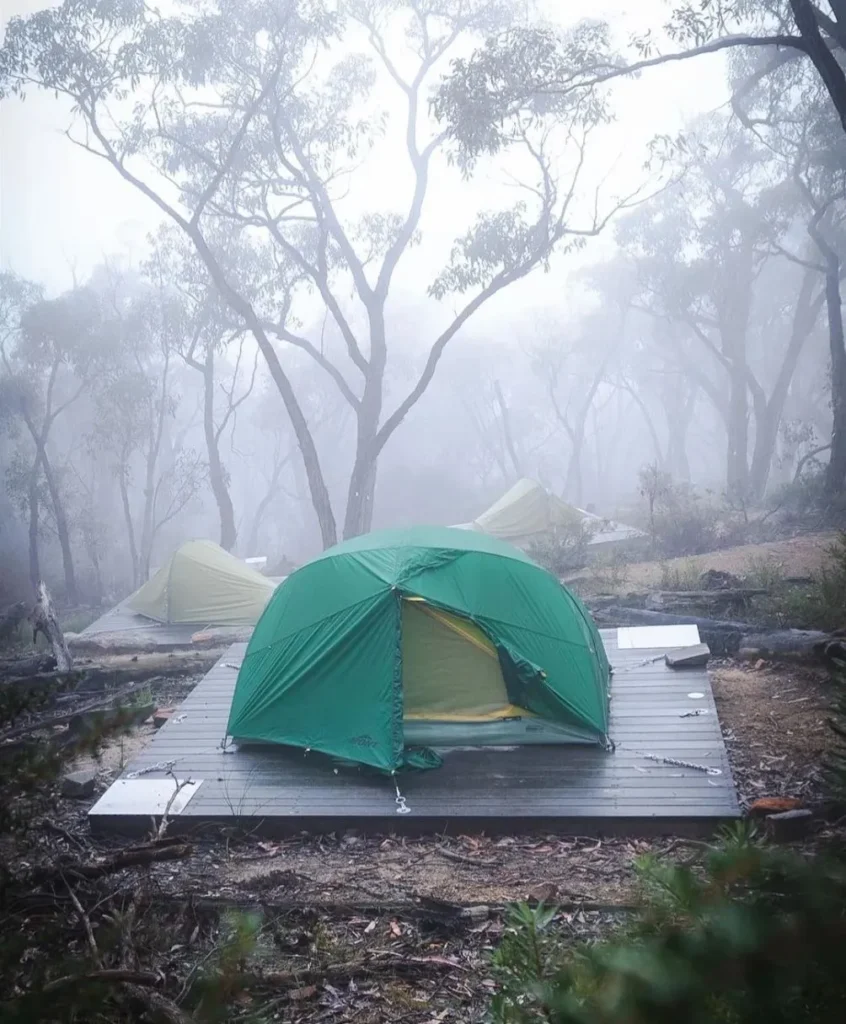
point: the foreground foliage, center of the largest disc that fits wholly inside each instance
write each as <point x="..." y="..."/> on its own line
<point x="753" y="933"/>
<point x="756" y="936"/>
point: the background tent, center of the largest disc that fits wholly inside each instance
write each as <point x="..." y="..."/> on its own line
<point x="428" y="636"/>
<point x="203" y="585"/>
<point x="528" y="511"/>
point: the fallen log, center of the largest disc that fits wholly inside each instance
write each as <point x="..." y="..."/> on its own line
<point x="138" y="856"/>
<point x="787" y="643"/>
<point x="108" y="976"/>
<point x="382" y="962"/>
<point x="619" y="615"/>
<point x="17" y="667"/>
<point x="99" y="677"/>
<point x="94" y="713"/>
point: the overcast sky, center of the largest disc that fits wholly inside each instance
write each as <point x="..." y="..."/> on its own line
<point x="62" y="210"/>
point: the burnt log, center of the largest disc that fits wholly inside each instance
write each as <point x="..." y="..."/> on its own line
<point x="788" y="643"/>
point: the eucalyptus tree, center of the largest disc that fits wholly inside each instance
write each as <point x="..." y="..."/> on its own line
<point x="249" y="115"/>
<point x="51" y="352"/>
<point x="207" y="339"/>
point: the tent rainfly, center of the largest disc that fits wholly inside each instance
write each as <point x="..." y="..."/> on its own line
<point x="203" y="585"/>
<point x="403" y="640"/>
<point x="528" y="511"/>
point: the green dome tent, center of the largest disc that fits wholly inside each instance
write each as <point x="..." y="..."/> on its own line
<point x="203" y="585"/>
<point x="421" y="637"/>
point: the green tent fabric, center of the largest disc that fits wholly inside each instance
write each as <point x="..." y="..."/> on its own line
<point x="427" y="635"/>
<point x="203" y="585"/>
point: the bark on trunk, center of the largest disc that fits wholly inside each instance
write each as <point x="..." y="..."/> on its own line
<point x="62" y="530"/>
<point x="362" y="487"/>
<point x="737" y="431"/>
<point x="835" y="474"/>
<point x="217" y="471"/>
<point x="361" y="493"/>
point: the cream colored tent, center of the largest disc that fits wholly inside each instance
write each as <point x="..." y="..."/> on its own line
<point x="203" y="585"/>
<point x="528" y="511"/>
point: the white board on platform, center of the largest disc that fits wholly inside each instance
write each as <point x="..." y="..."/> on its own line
<point x="663" y="638"/>
<point x="145" y="796"/>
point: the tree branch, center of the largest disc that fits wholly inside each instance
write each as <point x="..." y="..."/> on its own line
<point x="303" y="343"/>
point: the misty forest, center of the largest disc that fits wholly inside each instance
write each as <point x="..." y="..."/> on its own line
<point x="346" y="265"/>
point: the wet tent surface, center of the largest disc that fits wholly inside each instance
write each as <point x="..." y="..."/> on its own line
<point x="280" y="791"/>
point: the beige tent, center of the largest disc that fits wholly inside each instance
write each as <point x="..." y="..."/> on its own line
<point x="528" y="511"/>
<point x="203" y="585"/>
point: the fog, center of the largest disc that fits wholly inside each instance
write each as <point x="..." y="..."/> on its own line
<point x="252" y="315"/>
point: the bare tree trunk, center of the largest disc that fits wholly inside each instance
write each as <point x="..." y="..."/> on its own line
<point x="737" y="432"/>
<point x="362" y="491"/>
<point x="311" y="462"/>
<point x="679" y="409"/>
<point x="767" y="423"/>
<point x="362" y="486"/>
<point x="573" y="482"/>
<point x="130" y="528"/>
<point x="734" y="313"/>
<point x="507" y="434"/>
<point x="835" y="474"/>
<point x="34" y="561"/>
<point x="62" y="530"/>
<point x="805" y="16"/>
<point x="217" y="471"/>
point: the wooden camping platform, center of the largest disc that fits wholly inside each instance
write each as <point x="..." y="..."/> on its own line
<point x="562" y="788"/>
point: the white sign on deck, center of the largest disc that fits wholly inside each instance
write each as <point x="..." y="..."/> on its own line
<point x="648" y="638"/>
<point x="145" y="796"/>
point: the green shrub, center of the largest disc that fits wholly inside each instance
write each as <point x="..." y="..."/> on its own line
<point x="819" y="605"/>
<point x="764" y="571"/>
<point x="679" y="520"/>
<point x="803" y="505"/>
<point x="680" y="575"/>
<point x="754" y="937"/>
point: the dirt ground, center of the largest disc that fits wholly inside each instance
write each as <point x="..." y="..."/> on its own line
<point x="377" y="928"/>
<point x="798" y="556"/>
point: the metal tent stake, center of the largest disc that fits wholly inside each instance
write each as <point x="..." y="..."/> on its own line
<point x="402" y="806"/>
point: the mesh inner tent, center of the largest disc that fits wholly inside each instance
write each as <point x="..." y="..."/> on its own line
<point x="450" y="670"/>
